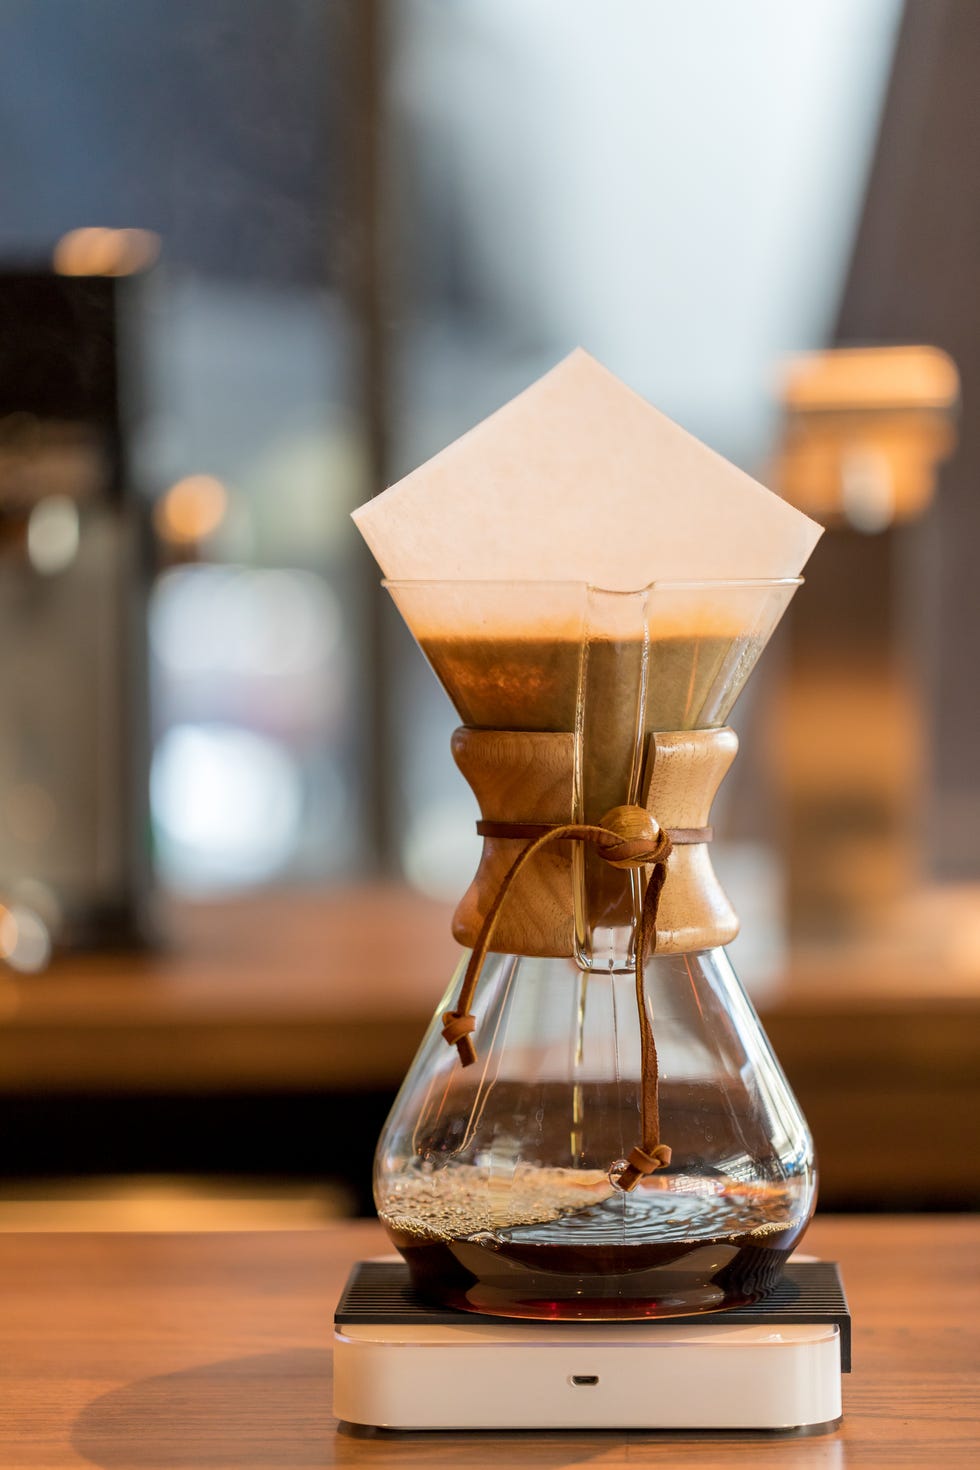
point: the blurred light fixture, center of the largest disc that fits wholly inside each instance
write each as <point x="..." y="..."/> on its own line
<point x="226" y="621"/>
<point x="8" y="932"/>
<point x="25" y="943"/>
<point x="98" y="251"/>
<point x="227" y="805"/>
<point x="53" y="535"/>
<point x="191" y="510"/>
<point x="865" y="431"/>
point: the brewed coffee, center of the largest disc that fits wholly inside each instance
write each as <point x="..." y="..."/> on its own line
<point x="674" y="1247"/>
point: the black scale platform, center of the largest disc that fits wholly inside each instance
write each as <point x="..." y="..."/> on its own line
<point x="380" y="1292"/>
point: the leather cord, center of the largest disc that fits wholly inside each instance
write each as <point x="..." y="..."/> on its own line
<point x="679" y="836"/>
<point x="653" y="851"/>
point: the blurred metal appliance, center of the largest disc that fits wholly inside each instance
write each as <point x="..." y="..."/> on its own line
<point x="74" y="828"/>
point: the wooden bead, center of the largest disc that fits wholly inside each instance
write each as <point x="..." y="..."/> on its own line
<point x="639" y="837"/>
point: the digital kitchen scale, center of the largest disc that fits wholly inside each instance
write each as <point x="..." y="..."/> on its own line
<point x="776" y="1365"/>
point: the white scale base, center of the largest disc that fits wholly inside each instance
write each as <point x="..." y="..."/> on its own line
<point x="708" y="1374"/>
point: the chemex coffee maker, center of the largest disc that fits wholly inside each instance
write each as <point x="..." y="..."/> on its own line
<point x="595" y="1171"/>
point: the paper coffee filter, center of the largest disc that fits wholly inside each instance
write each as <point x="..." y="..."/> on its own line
<point x="579" y="480"/>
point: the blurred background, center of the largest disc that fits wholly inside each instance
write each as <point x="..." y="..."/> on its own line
<point x="258" y="261"/>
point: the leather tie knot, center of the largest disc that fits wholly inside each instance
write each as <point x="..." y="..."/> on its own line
<point x="457" y="1028"/>
<point x="635" y="838"/>
<point x="640" y="1163"/>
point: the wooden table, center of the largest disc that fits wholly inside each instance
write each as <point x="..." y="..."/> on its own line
<point x="185" y="1352"/>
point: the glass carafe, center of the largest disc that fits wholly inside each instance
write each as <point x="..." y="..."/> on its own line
<point x="502" y="1182"/>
